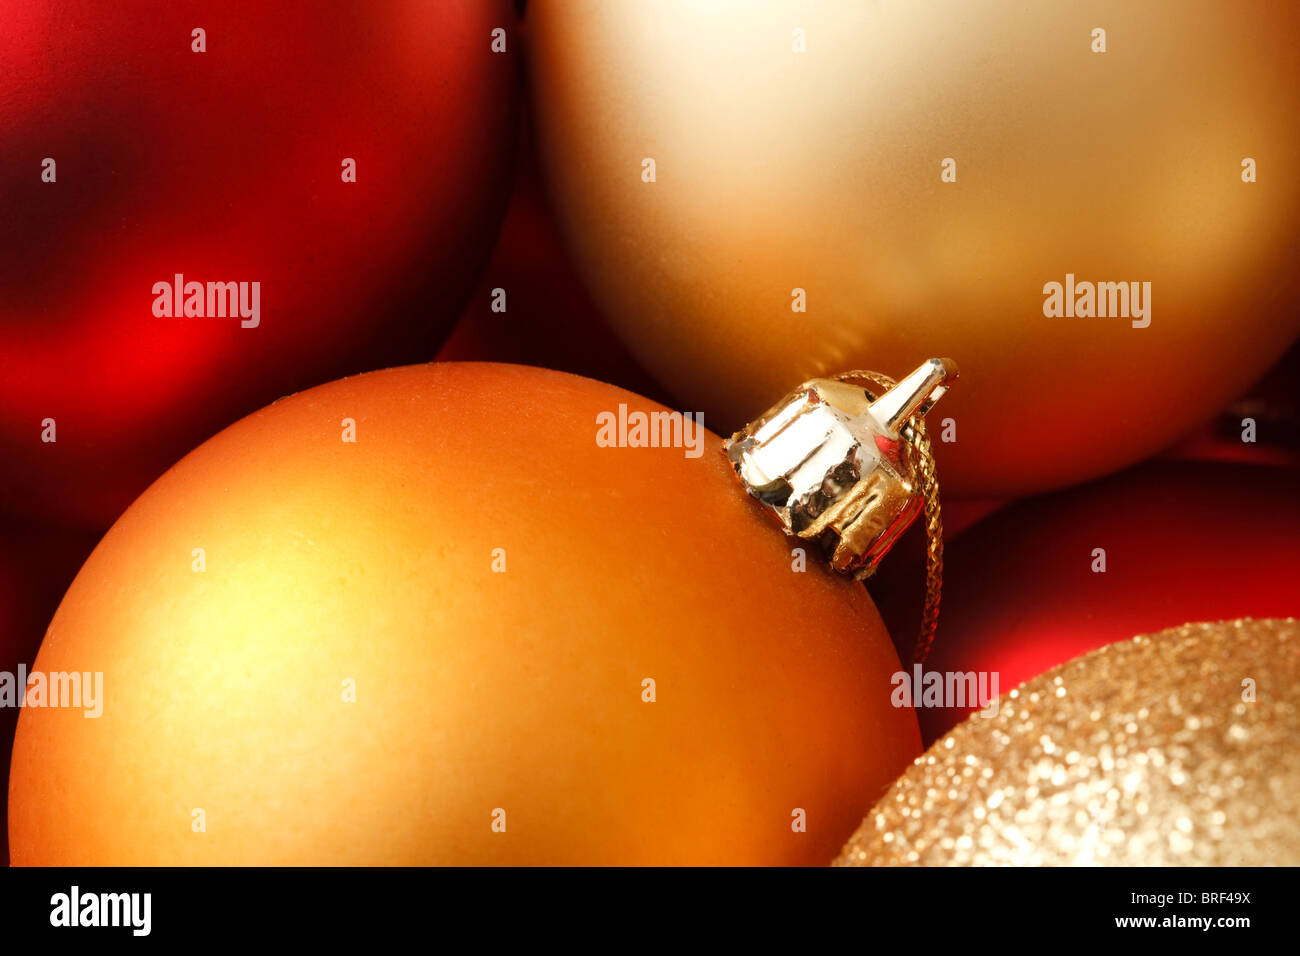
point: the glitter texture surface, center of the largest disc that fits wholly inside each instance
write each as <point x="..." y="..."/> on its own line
<point x="1147" y="752"/>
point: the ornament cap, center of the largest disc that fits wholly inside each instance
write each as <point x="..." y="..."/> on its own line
<point x="914" y="394"/>
<point x="838" y="466"/>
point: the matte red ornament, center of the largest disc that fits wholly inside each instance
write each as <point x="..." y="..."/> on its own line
<point x="1180" y="541"/>
<point x="346" y="166"/>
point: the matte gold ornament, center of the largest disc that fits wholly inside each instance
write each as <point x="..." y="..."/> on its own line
<point x="836" y="184"/>
<point x="1177" y="748"/>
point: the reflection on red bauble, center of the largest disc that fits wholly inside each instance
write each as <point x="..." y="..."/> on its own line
<point x="1267" y="415"/>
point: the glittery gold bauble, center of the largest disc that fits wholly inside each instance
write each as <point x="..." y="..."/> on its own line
<point x="800" y="153"/>
<point x="1176" y="748"/>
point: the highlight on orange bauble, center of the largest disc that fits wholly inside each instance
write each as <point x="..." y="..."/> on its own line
<point x="429" y="615"/>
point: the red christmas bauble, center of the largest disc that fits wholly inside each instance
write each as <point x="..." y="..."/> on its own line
<point x="1025" y="589"/>
<point x="330" y="179"/>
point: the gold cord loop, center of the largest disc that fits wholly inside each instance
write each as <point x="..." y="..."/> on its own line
<point x="933" y="524"/>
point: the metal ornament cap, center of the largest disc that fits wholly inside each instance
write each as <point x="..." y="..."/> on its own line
<point x="838" y="466"/>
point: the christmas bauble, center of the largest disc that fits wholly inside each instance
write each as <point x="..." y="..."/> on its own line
<point x="457" y="613"/>
<point x="1043" y="580"/>
<point x="1093" y="208"/>
<point x="207" y="207"/>
<point x="1175" y="749"/>
<point x="36" y="567"/>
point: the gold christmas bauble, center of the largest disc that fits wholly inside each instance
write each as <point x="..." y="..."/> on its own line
<point x="758" y="194"/>
<point x="1176" y="748"/>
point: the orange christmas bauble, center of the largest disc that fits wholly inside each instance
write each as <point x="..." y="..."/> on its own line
<point x="758" y="194"/>
<point x="437" y="615"/>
